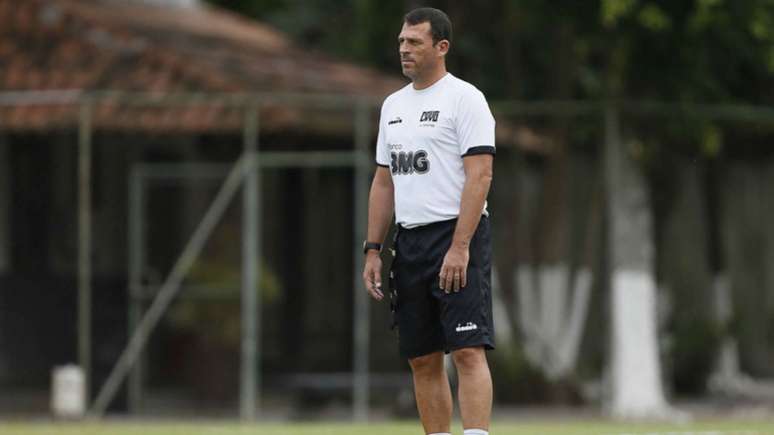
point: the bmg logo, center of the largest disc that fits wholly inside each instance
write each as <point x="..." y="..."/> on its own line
<point x="409" y="162"/>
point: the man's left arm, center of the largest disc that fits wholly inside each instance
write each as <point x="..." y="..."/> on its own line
<point x="478" y="178"/>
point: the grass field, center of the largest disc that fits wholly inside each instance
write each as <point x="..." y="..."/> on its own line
<point x="413" y="428"/>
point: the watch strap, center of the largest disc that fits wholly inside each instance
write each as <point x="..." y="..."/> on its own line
<point x="367" y="246"/>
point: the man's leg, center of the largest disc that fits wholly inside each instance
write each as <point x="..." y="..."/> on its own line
<point x="475" y="387"/>
<point x="431" y="388"/>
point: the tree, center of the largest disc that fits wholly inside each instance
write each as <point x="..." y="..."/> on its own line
<point x="702" y="51"/>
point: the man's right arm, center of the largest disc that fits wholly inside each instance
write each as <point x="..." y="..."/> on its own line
<point x="381" y="205"/>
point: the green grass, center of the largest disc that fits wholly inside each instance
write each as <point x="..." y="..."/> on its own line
<point x="709" y="427"/>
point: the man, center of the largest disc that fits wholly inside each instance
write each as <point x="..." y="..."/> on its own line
<point x="434" y="154"/>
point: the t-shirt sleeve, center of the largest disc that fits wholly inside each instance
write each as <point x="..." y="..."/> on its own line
<point x="382" y="152"/>
<point x="475" y="125"/>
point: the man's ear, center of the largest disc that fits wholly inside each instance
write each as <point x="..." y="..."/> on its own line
<point x="443" y="47"/>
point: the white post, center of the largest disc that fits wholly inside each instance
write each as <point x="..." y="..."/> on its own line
<point x="68" y="394"/>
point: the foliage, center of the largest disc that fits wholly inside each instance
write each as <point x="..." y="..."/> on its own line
<point x="695" y="50"/>
<point x="683" y="51"/>
<point x="680" y="51"/>
<point x="358" y="30"/>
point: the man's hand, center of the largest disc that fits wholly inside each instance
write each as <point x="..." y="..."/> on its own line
<point x="453" y="274"/>
<point x="372" y="275"/>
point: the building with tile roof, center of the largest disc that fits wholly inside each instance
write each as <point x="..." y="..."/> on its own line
<point x="82" y="46"/>
<point x="163" y="84"/>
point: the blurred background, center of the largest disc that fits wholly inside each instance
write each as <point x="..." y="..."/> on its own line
<point x="194" y="174"/>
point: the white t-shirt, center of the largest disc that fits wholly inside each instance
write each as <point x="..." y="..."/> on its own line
<point x="423" y="137"/>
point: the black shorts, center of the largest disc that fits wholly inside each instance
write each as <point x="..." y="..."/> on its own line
<point x="428" y="319"/>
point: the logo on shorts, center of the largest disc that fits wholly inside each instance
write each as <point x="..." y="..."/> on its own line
<point x="470" y="326"/>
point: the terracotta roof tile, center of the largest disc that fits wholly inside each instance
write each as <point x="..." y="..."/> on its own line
<point x="96" y="45"/>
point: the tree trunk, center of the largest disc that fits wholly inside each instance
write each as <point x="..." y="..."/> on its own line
<point x="748" y="238"/>
<point x="684" y="270"/>
<point x="635" y="367"/>
<point x="511" y="54"/>
<point x="507" y="200"/>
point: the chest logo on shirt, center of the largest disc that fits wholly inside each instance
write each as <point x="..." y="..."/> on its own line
<point x="397" y="120"/>
<point x="409" y="162"/>
<point x="429" y="116"/>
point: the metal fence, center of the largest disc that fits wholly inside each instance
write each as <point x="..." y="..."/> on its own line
<point x="244" y="173"/>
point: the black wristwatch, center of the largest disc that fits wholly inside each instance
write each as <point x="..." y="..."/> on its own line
<point x="367" y="246"/>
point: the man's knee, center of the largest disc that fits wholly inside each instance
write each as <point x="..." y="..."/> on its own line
<point x="469" y="358"/>
<point x="427" y="364"/>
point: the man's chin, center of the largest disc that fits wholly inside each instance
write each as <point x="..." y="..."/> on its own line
<point x="410" y="73"/>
